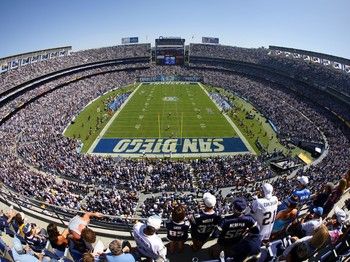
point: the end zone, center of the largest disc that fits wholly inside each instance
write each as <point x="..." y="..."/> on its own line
<point x="174" y="147"/>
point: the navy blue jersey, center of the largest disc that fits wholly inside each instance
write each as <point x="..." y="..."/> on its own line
<point x="177" y="231"/>
<point x="203" y="225"/>
<point x="232" y="228"/>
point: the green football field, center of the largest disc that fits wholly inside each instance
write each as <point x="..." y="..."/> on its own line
<point x="168" y="111"/>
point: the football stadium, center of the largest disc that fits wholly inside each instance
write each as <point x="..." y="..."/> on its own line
<point x="174" y="149"/>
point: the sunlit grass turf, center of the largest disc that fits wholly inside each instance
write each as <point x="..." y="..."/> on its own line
<point x="254" y="129"/>
<point x="170" y="110"/>
<point x="93" y="118"/>
<point x="178" y="118"/>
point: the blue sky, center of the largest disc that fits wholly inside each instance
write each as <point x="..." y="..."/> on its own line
<point x="317" y="25"/>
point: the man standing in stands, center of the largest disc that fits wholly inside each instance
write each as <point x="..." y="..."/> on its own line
<point x="232" y="228"/>
<point x="299" y="196"/>
<point x="177" y="229"/>
<point x="203" y="223"/>
<point x="149" y="244"/>
<point x="264" y="211"/>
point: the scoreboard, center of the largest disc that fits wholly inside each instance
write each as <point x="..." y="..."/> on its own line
<point x="170" y="51"/>
<point x="130" y="40"/>
<point x="210" y="40"/>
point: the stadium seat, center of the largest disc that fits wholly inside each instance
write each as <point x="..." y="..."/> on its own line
<point x="274" y="248"/>
<point x="264" y="255"/>
<point x="254" y="258"/>
<point x="50" y="254"/>
<point x="330" y="255"/>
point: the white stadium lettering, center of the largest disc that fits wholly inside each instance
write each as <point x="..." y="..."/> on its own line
<point x="190" y="145"/>
<point x="218" y="146"/>
<point x="121" y="146"/>
<point x="158" y="146"/>
<point x="169" y="146"/>
<point x="205" y="146"/>
<point x="137" y="143"/>
<point x="147" y="146"/>
<point x="153" y="145"/>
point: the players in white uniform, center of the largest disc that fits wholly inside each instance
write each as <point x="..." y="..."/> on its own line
<point x="264" y="211"/>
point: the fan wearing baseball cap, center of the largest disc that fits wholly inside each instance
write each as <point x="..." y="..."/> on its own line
<point x="299" y="195"/>
<point x="204" y="223"/>
<point x="311" y="221"/>
<point x="232" y="228"/>
<point x="264" y="211"/>
<point x="149" y="244"/>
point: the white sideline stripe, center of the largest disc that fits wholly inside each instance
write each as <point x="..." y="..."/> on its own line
<point x="111" y="120"/>
<point x="245" y="141"/>
<point x="93" y="100"/>
<point x="173" y="155"/>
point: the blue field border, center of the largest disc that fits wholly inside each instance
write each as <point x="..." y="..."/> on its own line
<point x="176" y="146"/>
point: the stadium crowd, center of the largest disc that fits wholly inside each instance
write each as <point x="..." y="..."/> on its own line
<point x="238" y="227"/>
<point x="32" y="141"/>
<point x="28" y="72"/>
<point x="39" y="142"/>
<point x="316" y="73"/>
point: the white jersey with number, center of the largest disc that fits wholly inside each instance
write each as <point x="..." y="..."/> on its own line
<point x="264" y="211"/>
<point x="149" y="246"/>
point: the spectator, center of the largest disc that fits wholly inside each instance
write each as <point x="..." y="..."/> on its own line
<point x="58" y="241"/>
<point x="21" y="254"/>
<point x="204" y="222"/>
<point x="177" y="230"/>
<point x="283" y="219"/>
<point x="320" y="198"/>
<point x="118" y="253"/>
<point x="78" y="223"/>
<point x="78" y="247"/>
<point x="87" y="257"/>
<point x="7" y="219"/>
<point x="334" y="196"/>
<point x="347" y="178"/>
<point x="149" y="244"/>
<point x="308" y="224"/>
<point x="249" y="246"/>
<point x="35" y="237"/>
<point x="264" y="211"/>
<point x="299" y="195"/>
<point x="335" y="224"/>
<point x="18" y="223"/>
<point x="303" y="248"/>
<point x="232" y="228"/>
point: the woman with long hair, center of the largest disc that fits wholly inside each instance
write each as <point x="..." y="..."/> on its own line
<point x="58" y="241"/>
<point x="303" y="248"/>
